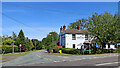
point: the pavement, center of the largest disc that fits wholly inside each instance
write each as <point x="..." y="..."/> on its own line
<point x="39" y="58"/>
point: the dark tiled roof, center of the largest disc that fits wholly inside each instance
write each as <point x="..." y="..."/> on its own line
<point x="74" y="31"/>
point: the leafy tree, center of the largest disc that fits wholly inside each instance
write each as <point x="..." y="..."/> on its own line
<point x="0" y="40"/>
<point x="51" y="38"/>
<point x="37" y="43"/>
<point x="7" y="41"/>
<point x="74" y="25"/>
<point x="27" y="44"/>
<point x="105" y="28"/>
<point x="31" y="44"/>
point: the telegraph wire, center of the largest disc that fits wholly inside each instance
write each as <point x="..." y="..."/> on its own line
<point x="17" y="21"/>
<point x="51" y="10"/>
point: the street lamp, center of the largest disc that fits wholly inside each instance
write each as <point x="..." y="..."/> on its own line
<point x="20" y="47"/>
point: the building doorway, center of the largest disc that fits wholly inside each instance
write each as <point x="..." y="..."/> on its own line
<point x="73" y="45"/>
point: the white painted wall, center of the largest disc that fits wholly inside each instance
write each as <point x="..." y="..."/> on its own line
<point x="111" y="47"/>
<point x="80" y="39"/>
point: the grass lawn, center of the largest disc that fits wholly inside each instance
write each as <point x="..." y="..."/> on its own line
<point x="63" y="54"/>
<point x="3" y="58"/>
<point x="18" y="53"/>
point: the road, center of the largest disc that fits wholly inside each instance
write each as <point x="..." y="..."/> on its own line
<point x="39" y="58"/>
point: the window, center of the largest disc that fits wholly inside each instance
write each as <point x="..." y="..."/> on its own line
<point x="73" y="45"/>
<point x="115" y="46"/>
<point x="73" y="37"/>
<point x="86" y="37"/>
<point x="108" y="45"/>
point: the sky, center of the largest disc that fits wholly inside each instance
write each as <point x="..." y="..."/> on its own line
<point x="60" y="0"/>
<point x="37" y="19"/>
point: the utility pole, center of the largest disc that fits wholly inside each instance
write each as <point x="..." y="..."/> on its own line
<point x="35" y="45"/>
<point x="13" y="44"/>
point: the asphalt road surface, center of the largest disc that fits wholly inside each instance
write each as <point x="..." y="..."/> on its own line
<point x="39" y="58"/>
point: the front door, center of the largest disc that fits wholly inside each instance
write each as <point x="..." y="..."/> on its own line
<point x="73" y="45"/>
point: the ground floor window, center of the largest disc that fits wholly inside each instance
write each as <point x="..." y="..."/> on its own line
<point x="73" y="45"/>
<point x="116" y="46"/>
<point x="108" y="45"/>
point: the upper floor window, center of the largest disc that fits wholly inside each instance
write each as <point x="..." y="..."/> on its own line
<point x="86" y="37"/>
<point x="73" y="37"/>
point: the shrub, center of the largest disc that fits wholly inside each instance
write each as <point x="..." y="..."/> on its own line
<point x="70" y="50"/>
<point x="8" y="49"/>
<point x="49" y="49"/>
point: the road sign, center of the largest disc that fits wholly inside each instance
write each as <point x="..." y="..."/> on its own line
<point x="20" y="45"/>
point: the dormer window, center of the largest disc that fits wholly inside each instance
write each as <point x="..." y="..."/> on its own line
<point x="73" y="37"/>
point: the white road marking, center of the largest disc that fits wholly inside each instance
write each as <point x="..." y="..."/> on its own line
<point x="106" y="63"/>
<point x="65" y="57"/>
<point x="38" y="55"/>
<point x="56" y="61"/>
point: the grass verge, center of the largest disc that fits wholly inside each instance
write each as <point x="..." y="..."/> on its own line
<point x="3" y="58"/>
<point x="18" y="53"/>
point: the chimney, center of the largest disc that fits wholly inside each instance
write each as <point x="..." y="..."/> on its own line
<point x="78" y="27"/>
<point x="64" y="27"/>
<point x="61" y="29"/>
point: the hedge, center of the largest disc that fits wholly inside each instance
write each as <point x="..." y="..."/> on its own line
<point x="70" y="50"/>
<point x="79" y="51"/>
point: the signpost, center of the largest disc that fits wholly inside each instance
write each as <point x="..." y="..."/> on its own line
<point x="89" y="46"/>
<point x="20" y="47"/>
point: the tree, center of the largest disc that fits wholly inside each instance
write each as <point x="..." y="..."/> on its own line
<point x="105" y="28"/>
<point x="27" y="44"/>
<point x="31" y="44"/>
<point x="7" y="41"/>
<point x="20" y="38"/>
<point x="74" y="25"/>
<point x="51" y="38"/>
<point x="37" y="43"/>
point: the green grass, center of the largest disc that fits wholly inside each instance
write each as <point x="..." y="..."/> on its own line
<point x="18" y="53"/>
<point x="3" y="58"/>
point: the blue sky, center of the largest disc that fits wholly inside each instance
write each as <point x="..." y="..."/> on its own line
<point x="44" y="17"/>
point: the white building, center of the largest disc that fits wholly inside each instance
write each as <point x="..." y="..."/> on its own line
<point x="73" y="38"/>
<point x="110" y="46"/>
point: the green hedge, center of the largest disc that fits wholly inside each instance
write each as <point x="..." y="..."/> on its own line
<point x="79" y="51"/>
<point x="70" y="50"/>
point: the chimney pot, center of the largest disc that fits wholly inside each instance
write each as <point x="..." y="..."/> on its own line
<point x="64" y="27"/>
<point x="78" y="28"/>
<point x="61" y="29"/>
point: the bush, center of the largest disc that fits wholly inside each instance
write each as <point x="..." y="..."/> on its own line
<point x="49" y="49"/>
<point x="6" y="49"/>
<point x="56" y="50"/>
<point x="70" y="50"/>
